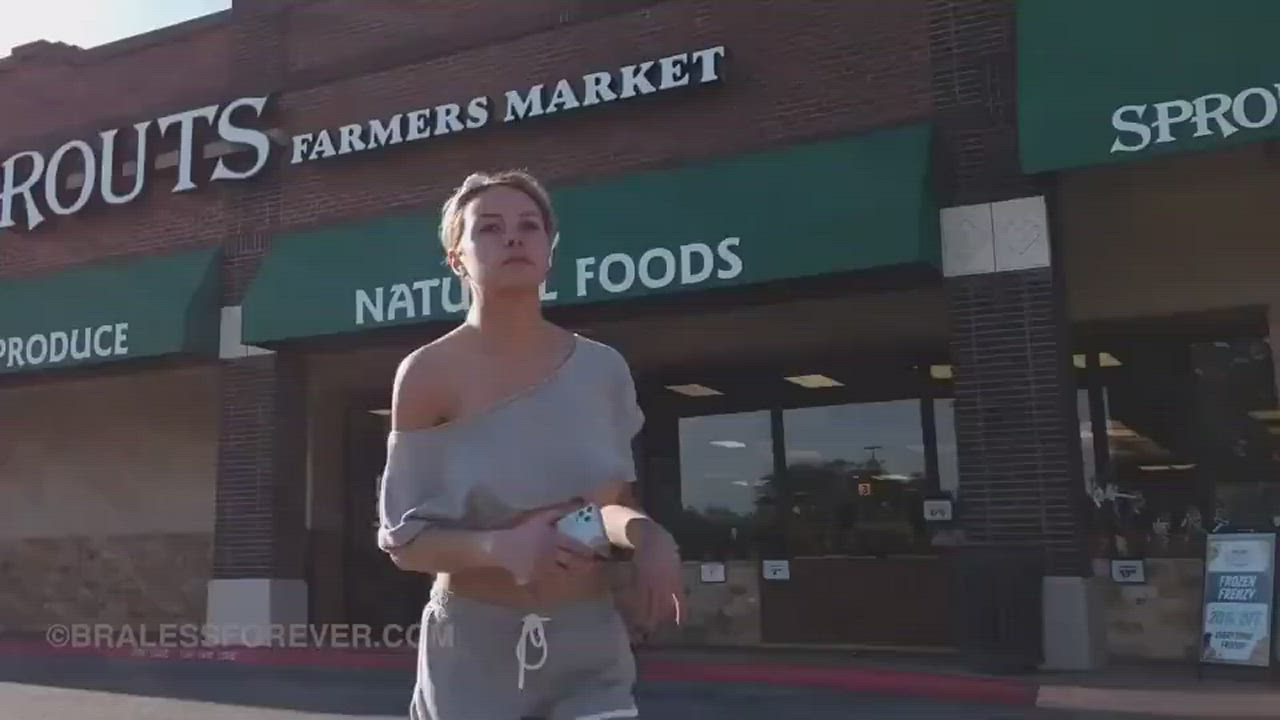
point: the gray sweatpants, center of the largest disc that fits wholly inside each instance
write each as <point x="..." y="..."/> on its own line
<point x="478" y="661"/>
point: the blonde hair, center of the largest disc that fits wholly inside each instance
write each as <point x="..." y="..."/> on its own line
<point x="451" y="215"/>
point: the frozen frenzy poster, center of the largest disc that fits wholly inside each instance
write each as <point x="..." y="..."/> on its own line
<point x="1238" y="595"/>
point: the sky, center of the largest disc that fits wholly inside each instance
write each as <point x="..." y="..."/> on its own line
<point x="89" y="23"/>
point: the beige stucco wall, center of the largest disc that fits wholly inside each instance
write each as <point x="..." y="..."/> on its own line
<point x="107" y="498"/>
<point x="1188" y="233"/>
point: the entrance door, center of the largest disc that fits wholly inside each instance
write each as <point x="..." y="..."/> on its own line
<point x="377" y="592"/>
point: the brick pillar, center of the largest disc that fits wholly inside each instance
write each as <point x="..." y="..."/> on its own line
<point x="261" y="501"/>
<point x="1021" y="475"/>
<point x="1018" y="443"/>
<point x="260" y="528"/>
<point x="1021" y="479"/>
<point x="260" y="532"/>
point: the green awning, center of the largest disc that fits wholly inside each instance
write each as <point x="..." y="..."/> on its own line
<point x="836" y="206"/>
<point x="1101" y="81"/>
<point x="111" y="312"/>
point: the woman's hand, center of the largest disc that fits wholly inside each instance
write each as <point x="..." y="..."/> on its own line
<point x="658" y="577"/>
<point x="536" y="548"/>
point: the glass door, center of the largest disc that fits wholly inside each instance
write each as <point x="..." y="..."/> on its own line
<point x="377" y="592"/>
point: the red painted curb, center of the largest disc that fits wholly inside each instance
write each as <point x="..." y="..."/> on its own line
<point x="937" y="686"/>
<point x="299" y="657"/>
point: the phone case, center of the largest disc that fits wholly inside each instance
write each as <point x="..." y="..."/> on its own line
<point x="586" y="526"/>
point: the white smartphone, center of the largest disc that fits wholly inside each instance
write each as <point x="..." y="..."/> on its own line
<point x="587" y="527"/>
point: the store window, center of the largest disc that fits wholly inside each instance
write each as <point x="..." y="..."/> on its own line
<point x="1190" y="444"/>
<point x="1240" y="426"/>
<point x="855" y="480"/>
<point x="831" y="480"/>
<point x="726" y="469"/>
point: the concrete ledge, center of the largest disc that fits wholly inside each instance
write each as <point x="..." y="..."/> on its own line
<point x="1161" y="703"/>
<point x="250" y="607"/>
<point x="1074" y="623"/>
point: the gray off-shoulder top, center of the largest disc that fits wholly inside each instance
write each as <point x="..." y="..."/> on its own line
<point x="563" y="438"/>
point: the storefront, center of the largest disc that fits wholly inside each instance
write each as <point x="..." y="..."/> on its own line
<point x="108" y="441"/>
<point x="1157" y="122"/>
<point x="717" y="280"/>
<point x="774" y="213"/>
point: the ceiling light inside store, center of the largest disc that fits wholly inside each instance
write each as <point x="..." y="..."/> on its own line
<point x="1265" y="415"/>
<point x="694" y="390"/>
<point x="941" y="372"/>
<point x="728" y="443"/>
<point x="814" y="381"/>
<point x="385" y="412"/>
<point x="1117" y="429"/>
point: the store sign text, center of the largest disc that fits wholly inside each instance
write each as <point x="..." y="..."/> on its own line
<point x="102" y="341"/>
<point x="1214" y="114"/>
<point x="597" y="88"/>
<point x="655" y="269"/>
<point x="39" y="184"/>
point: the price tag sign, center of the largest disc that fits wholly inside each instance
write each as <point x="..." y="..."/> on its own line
<point x="777" y="570"/>
<point x="1129" y="572"/>
<point x="937" y="510"/>
<point x="713" y="572"/>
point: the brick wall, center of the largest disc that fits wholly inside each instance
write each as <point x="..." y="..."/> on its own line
<point x="1018" y="442"/>
<point x="50" y="98"/>
<point x="800" y="69"/>
<point x="330" y="39"/>
<point x="974" y="88"/>
<point x="57" y="93"/>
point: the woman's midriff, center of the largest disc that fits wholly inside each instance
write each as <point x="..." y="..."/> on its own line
<point x="497" y="587"/>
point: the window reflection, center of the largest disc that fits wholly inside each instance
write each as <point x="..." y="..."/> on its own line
<point x="855" y="480"/>
<point x="725" y="463"/>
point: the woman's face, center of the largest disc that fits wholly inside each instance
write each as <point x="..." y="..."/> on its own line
<point x="504" y="241"/>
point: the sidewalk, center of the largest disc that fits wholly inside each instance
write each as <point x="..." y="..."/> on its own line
<point x="1166" y="692"/>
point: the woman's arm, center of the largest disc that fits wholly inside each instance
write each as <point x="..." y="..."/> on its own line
<point x="419" y="401"/>
<point x="627" y="526"/>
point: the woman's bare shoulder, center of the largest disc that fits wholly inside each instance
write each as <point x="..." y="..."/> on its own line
<point x="421" y="396"/>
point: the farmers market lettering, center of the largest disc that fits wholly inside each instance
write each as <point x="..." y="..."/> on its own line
<point x="223" y="143"/>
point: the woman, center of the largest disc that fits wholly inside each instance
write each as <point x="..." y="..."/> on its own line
<point x="500" y="428"/>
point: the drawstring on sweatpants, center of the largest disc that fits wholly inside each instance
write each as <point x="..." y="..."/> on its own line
<point x="533" y="631"/>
